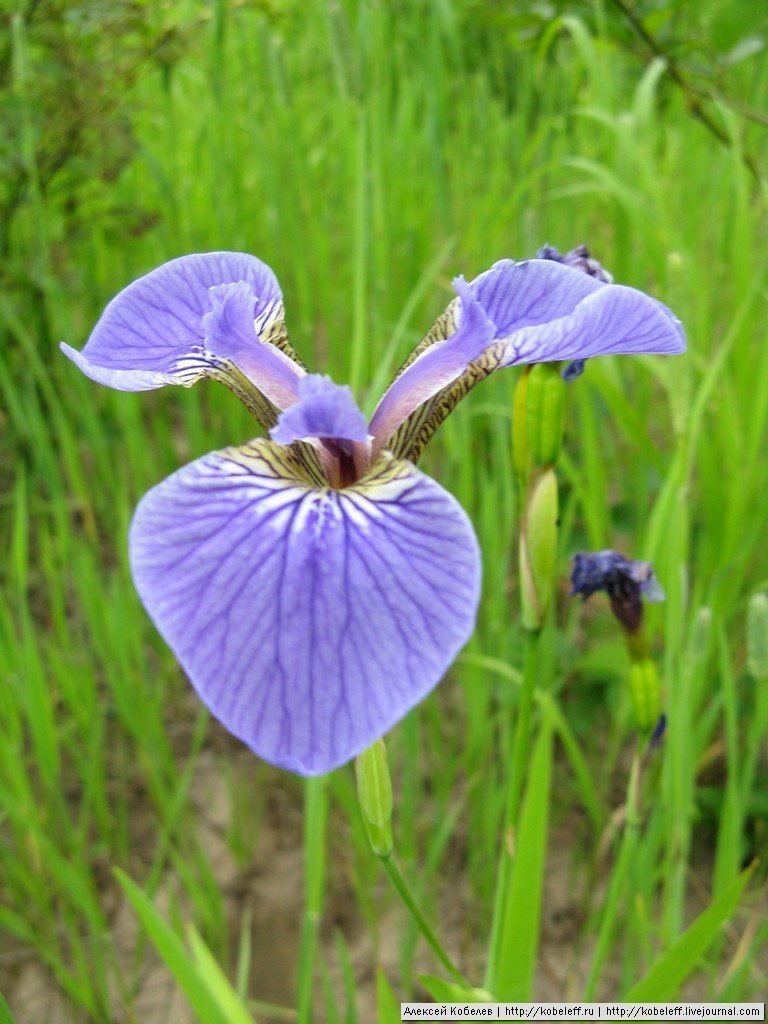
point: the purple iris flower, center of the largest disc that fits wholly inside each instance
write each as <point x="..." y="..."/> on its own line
<point x="315" y="585"/>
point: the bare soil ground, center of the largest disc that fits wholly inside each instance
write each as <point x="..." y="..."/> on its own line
<point x="268" y="889"/>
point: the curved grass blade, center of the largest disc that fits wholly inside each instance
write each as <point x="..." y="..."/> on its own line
<point x="6" y="1017"/>
<point x="209" y="992"/>
<point x="519" y="938"/>
<point x="665" y="977"/>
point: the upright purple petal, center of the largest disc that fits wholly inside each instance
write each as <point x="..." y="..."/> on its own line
<point x="437" y="366"/>
<point x="308" y="620"/>
<point x="188" y="319"/>
<point x="324" y="410"/>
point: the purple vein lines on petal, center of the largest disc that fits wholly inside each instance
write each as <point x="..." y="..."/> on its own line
<point x="192" y="317"/>
<point x="309" y="620"/>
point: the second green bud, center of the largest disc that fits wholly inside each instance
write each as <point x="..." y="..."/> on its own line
<point x="374" y="793"/>
<point x="538" y="548"/>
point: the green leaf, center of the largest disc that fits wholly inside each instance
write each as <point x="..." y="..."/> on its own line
<point x="664" y="979"/>
<point x="6" y="1017"/>
<point x="212" y="975"/>
<point x="522" y="914"/>
<point x="449" y="991"/>
<point x="387" y="1006"/>
<point x="735" y="22"/>
<point x="195" y="974"/>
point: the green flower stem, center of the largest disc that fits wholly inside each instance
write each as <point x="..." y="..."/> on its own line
<point x="400" y="884"/>
<point x="315" y="815"/>
<point x="537" y="431"/>
<point x="523" y="726"/>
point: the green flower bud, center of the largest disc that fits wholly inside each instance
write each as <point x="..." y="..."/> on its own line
<point x="374" y="793"/>
<point x="538" y="415"/>
<point x="645" y="688"/>
<point x="538" y="548"/>
<point x="545" y="414"/>
<point x="757" y="636"/>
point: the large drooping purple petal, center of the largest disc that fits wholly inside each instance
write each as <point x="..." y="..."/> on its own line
<point x="324" y="410"/>
<point x="505" y="298"/>
<point x="539" y="311"/>
<point x="615" y="320"/>
<point x="190" y="318"/>
<point x="531" y="292"/>
<point x="546" y="311"/>
<point x="309" y="620"/>
<point x="437" y="366"/>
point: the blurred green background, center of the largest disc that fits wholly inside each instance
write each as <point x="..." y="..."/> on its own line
<point x="370" y="151"/>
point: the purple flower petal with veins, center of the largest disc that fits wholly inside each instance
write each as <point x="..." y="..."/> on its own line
<point x="324" y="410"/>
<point x="615" y="320"/>
<point x="186" y="320"/>
<point x="530" y="312"/>
<point x="315" y="586"/>
<point x="309" y="620"/>
<point x="440" y="365"/>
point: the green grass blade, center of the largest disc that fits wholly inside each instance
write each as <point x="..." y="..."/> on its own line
<point x="316" y="813"/>
<point x="522" y="913"/>
<point x="664" y="979"/>
<point x="448" y="991"/>
<point x="6" y="1017"/>
<point x="387" y="1006"/>
<point x="194" y="981"/>
<point x="212" y="975"/>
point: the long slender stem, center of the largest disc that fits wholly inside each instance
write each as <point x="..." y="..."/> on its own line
<point x="390" y="866"/>
<point x="315" y="814"/>
<point x="523" y="726"/>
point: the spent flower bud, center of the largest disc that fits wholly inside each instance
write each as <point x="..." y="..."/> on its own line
<point x="627" y="583"/>
<point x="578" y="258"/>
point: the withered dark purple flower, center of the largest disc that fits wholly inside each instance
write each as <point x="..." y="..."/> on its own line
<point x="627" y="583"/>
